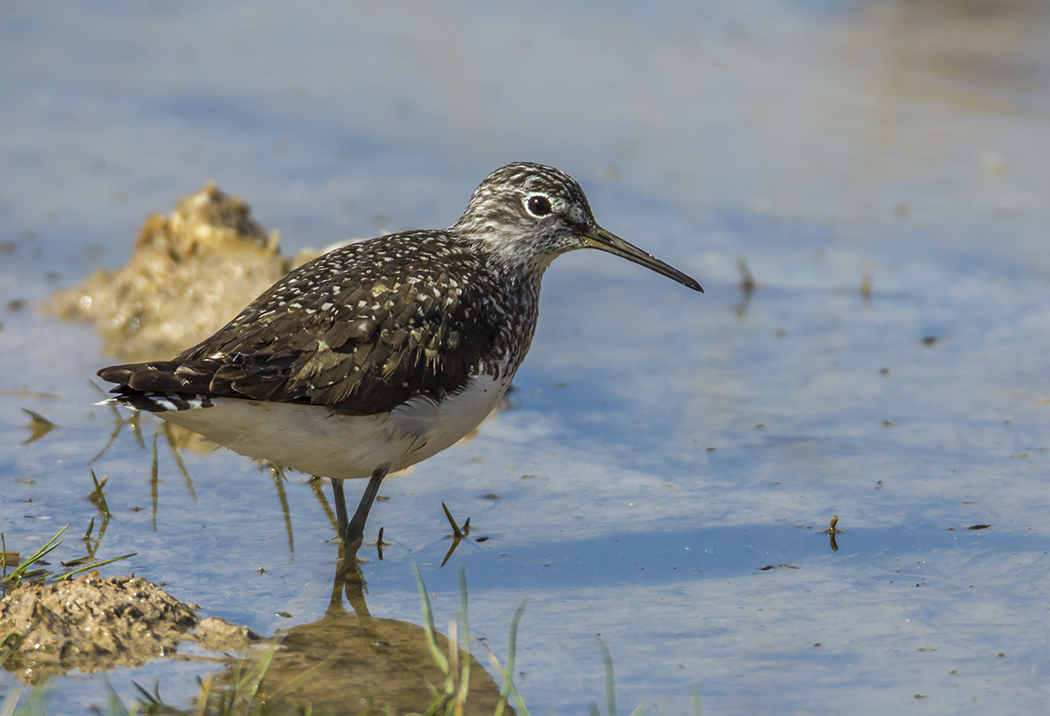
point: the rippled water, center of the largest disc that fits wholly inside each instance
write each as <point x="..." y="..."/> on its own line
<point x="662" y="450"/>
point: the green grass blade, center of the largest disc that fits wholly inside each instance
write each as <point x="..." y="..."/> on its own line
<point x="149" y="698"/>
<point x="428" y="623"/>
<point x="12" y="640"/>
<point x="10" y="702"/>
<point x="95" y="565"/>
<point x="610" y="678"/>
<point x="697" y="708"/>
<point x="464" y="676"/>
<point x="641" y="709"/>
<point x="257" y="675"/>
<point x="22" y="570"/>
<point x="203" y="693"/>
<point x="36" y="702"/>
<point x="508" y="670"/>
<point x="103" y="506"/>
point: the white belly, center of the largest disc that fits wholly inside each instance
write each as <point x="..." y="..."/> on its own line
<point x="317" y="441"/>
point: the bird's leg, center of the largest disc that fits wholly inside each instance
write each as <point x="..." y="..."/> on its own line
<point x="355" y="531"/>
<point x="348" y="580"/>
<point x="340" y="506"/>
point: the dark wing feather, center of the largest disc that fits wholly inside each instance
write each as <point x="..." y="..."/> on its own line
<point x="361" y="329"/>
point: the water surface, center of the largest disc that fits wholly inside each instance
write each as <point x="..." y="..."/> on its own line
<point x="661" y="449"/>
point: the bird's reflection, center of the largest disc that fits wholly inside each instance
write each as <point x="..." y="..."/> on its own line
<point x="359" y="662"/>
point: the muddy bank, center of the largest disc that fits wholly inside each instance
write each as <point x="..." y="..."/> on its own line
<point x="188" y="274"/>
<point x="92" y="624"/>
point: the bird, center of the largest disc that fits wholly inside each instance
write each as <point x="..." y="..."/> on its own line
<point x="379" y="354"/>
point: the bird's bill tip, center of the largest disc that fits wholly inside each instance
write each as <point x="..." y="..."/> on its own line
<point x="599" y="238"/>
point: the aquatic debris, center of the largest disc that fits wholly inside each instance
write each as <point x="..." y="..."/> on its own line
<point x="39" y="426"/>
<point x="458" y="533"/>
<point x="832" y="531"/>
<point x="747" y="280"/>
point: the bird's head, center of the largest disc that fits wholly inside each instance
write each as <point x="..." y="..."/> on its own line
<point x="529" y="214"/>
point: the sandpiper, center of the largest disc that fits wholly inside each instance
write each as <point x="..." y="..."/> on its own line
<point x="377" y="355"/>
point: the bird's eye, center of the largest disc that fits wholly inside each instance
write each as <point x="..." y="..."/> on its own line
<point x="538" y="205"/>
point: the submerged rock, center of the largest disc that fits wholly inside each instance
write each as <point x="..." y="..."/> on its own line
<point x="93" y="624"/>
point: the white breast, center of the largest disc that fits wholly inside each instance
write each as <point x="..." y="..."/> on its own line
<point x="315" y="440"/>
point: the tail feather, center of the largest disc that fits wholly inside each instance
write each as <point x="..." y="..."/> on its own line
<point x="157" y="402"/>
<point x="153" y="387"/>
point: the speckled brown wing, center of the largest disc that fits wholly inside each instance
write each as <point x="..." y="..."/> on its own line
<point x="361" y="329"/>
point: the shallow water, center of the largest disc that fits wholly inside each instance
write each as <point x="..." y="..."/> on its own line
<point x="661" y="448"/>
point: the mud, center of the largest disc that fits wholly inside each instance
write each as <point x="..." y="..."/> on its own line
<point x="189" y="273"/>
<point x="92" y="624"/>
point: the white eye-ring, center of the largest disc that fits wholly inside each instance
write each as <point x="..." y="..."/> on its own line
<point x="538" y="205"/>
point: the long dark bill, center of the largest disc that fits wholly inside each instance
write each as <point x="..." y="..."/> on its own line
<point x="599" y="238"/>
